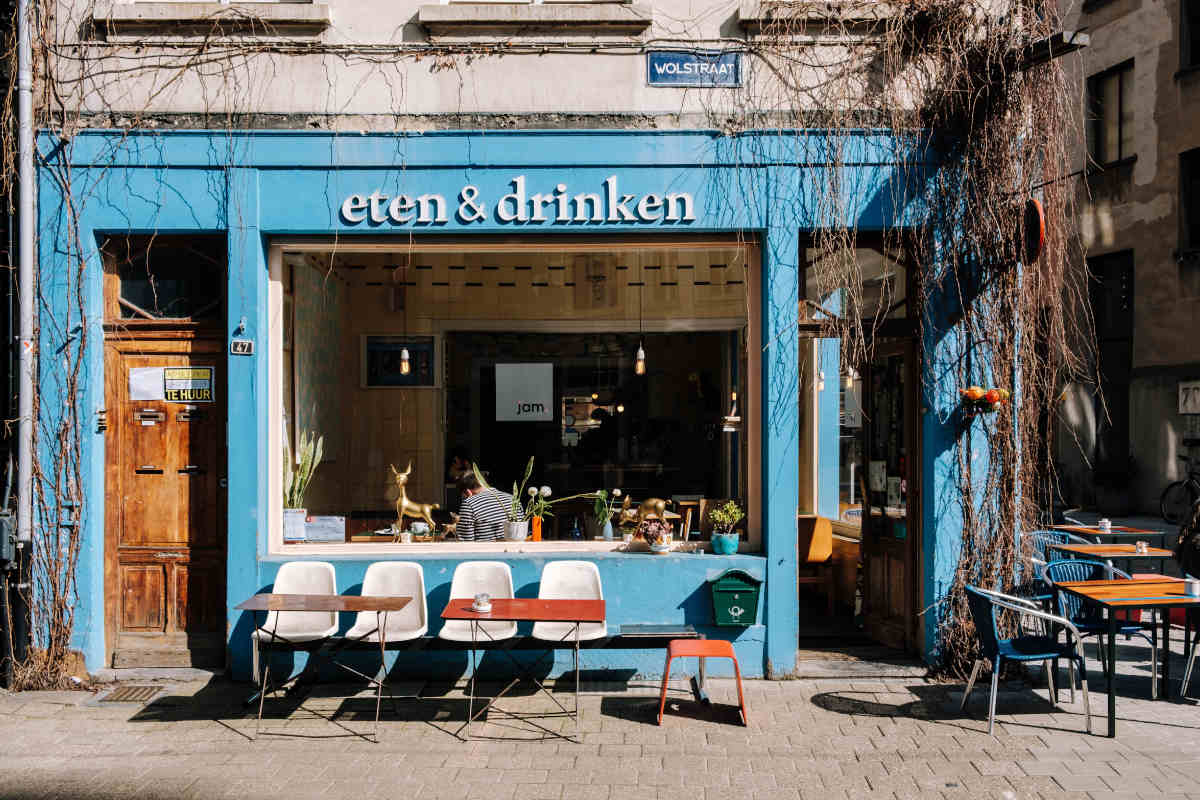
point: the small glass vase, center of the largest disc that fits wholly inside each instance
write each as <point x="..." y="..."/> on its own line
<point x="607" y="533"/>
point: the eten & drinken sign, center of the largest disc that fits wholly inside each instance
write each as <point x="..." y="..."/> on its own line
<point x="556" y="204"/>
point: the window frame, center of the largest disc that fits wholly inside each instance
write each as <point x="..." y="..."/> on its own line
<point x="750" y="396"/>
<point x="1096" y="123"/>
<point x="1189" y="202"/>
<point x="1189" y="37"/>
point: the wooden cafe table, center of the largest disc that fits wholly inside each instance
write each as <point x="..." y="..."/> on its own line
<point x="510" y="609"/>
<point x="1115" y="534"/>
<point x="1113" y="552"/>
<point x="1155" y="594"/>
<point x="341" y="603"/>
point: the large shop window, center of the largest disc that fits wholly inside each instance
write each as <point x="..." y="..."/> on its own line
<point x="438" y="355"/>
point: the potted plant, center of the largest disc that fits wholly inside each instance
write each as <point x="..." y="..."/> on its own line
<point x="295" y="483"/>
<point x="602" y="510"/>
<point x="657" y="534"/>
<point x="724" y="518"/>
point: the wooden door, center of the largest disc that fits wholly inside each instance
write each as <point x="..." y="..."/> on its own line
<point x="891" y="537"/>
<point x="165" y="553"/>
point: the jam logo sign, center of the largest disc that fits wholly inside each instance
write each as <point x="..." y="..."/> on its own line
<point x="188" y="384"/>
<point x="705" y="68"/>
<point x="524" y="392"/>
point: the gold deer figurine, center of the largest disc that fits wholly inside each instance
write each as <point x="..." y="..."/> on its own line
<point x="406" y="507"/>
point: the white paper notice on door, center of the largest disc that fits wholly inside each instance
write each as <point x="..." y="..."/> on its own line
<point x="877" y="476"/>
<point x="146" y="383"/>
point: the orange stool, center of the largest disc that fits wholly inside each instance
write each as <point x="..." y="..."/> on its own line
<point x="700" y="648"/>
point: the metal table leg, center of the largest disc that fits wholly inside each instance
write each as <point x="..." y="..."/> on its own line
<point x="1112" y="673"/>
<point x="576" y="678"/>
<point x="1165" y="694"/>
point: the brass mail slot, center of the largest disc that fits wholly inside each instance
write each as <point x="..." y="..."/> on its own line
<point x="149" y="416"/>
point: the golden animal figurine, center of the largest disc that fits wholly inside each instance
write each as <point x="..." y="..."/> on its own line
<point x="650" y="507"/>
<point x="406" y="507"/>
<point x="451" y="527"/>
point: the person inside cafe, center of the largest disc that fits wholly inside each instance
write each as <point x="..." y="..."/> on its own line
<point x="460" y="464"/>
<point x="484" y="512"/>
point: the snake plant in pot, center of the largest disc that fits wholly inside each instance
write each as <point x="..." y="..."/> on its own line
<point x="296" y="478"/>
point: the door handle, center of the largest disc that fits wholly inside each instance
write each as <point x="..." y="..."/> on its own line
<point x="166" y="554"/>
<point x="191" y="469"/>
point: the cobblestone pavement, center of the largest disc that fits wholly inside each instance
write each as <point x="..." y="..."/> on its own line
<point x="826" y="739"/>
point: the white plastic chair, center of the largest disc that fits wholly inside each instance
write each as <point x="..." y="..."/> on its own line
<point x="297" y="627"/>
<point x="570" y="580"/>
<point x="293" y="629"/>
<point x="389" y="579"/>
<point x="471" y="578"/>
<point x="392" y="579"/>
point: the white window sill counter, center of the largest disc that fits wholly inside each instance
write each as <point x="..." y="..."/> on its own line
<point x="340" y="550"/>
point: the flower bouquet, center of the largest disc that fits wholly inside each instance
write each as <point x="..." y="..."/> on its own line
<point x="977" y="400"/>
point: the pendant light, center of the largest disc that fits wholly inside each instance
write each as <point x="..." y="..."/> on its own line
<point x="639" y="365"/>
<point x="405" y="362"/>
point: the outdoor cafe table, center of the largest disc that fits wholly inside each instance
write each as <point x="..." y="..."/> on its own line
<point x="1115" y="534"/>
<point x="341" y="603"/>
<point x="1155" y="594"/>
<point x="1113" y="552"/>
<point x="575" y="612"/>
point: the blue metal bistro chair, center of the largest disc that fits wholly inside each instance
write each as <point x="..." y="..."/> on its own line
<point x="1090" y="620"/>
<point x="1027" y="647"/>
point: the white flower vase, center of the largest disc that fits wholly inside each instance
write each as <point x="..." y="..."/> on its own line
<point x="517" y="531"/>
<point x="293" y="524"/>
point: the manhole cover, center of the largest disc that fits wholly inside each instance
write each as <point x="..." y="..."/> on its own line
<point x="131" y="694"/>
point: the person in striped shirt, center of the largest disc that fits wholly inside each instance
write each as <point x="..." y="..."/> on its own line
<point x="484" y="512"/>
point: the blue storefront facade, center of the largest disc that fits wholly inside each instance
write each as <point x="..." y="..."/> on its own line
<point x="259" y="188"/>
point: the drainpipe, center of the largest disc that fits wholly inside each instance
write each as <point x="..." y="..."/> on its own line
<point x="25" y="272"/>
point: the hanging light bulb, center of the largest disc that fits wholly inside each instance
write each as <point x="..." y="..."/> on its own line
<point x="821" y="381"/>
<point x="405" y="364"/>
<point x="639" y="366"/>
<point x="595" y="396"/>
<point x="620" y="408"/>
<point x="848" y="381"/>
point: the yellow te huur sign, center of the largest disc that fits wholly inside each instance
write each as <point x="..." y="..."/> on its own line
<point x="188" y="384"/>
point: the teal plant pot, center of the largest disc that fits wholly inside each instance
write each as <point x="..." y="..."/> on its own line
<point x="725" y="544"/>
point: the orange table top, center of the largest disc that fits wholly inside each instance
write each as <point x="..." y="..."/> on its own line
<point x="1112" y="550"/>
<point x="1135" y="593"/>
<point x="1092" y="530"/>
<point x="528" y="610"/>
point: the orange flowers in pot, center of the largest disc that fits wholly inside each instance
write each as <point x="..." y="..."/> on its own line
<point x="976" y="399"/>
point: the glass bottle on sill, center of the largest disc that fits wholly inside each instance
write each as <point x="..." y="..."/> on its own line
<point x="576" y="531"/>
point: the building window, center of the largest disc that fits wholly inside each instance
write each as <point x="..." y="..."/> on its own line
<point x="1189" y="200"/>
<point x="1189" y="34"/>
<point x="1110" y="115"/>
<point x="164" y="278"/>
<point x="1111" y="294"/>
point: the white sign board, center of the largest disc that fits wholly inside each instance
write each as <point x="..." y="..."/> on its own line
<point x="524" y="392"/>
<point x="1189" y="397"/>
<point x="146" y="383"/>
